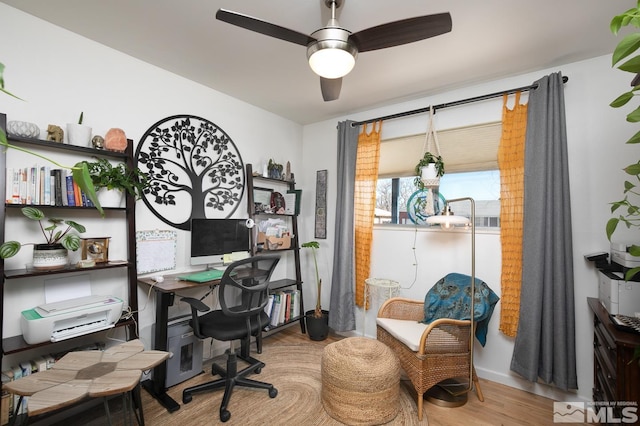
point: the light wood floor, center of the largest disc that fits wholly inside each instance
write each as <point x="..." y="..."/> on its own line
<point x="503" y="405"/>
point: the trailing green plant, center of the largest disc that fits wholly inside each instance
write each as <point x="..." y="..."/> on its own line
<point x="313" y="245"/>
<point x="427" y="159"/>
<point x="106" y="175"/>
<point x="58" y="231"/>
<point x="626" y="58"/>
<point x="80" y="171"/>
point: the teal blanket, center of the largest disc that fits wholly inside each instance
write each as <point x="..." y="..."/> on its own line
<point x="451" y="298"/>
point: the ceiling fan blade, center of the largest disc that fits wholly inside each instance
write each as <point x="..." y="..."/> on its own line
<point x="330" y="88"/>
<point x="401" y="32"/>
<point x="262" y="27"/>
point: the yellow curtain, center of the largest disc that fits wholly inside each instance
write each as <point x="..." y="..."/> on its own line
<point x="511" y="164"/>
<point x="368" y="157"/>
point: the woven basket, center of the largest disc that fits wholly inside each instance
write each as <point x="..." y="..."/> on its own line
<point x="360" y="381"/>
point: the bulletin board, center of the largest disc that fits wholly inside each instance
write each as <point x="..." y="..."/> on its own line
<point x="156" y="250"/>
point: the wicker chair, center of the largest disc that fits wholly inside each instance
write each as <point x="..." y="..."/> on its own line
<point x="430" y="353"/>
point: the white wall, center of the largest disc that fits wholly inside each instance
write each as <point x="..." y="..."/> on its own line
<point x="597" y="153"/>
<point x="60" y="74"/>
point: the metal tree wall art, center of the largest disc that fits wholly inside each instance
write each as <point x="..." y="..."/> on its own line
<point x="194" y="170"/>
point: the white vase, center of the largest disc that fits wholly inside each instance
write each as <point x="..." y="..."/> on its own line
<point x="78" y="134"/>
<point x="429" y="172"/>
<point x="111" y="197"/>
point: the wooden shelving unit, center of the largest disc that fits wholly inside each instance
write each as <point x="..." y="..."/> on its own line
<point x="294" y="250"/>
<point x="16" y="344"/>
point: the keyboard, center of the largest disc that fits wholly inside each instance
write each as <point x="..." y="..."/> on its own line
<point x="203" y="276"/>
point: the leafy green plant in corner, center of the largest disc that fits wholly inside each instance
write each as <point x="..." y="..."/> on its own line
<point x="79" y="170"/>
<point x="58" y="231"/>
<point x="625" y="55"/>
<point x="106" y="175"/>
<point x="313" y="245"/>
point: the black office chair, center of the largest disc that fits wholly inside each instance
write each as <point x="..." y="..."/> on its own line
<point x="243" y="294"/>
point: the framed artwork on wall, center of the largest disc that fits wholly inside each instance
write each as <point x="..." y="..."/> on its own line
<point x="321" y="204"/>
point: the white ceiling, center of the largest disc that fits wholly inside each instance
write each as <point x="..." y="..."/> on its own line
<point x="490" y="39"/>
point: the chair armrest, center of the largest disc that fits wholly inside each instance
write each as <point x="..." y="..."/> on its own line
<point x="402" y="308"/>
<point x="446" y="335"/>
<point x="196" y="304"/>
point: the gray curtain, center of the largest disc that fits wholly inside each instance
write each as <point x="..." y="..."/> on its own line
<point x="342" y="315"/>
<point x="545" y="343"/>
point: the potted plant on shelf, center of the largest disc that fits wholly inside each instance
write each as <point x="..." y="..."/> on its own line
<point x="627" y="47"/>
<point x="112" y="181"/>
<point x="317" y="320"/>
<point x="59" y="238"/>
<point x="79" y="134"/>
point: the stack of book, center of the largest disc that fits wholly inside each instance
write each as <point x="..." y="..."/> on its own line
<point x="283" y="306"/>
<point x="45" y="186"/>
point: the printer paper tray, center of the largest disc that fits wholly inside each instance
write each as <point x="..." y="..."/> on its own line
<point x="78" y="331"/>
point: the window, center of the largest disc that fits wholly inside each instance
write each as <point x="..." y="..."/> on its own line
<point x="470" y="156"/>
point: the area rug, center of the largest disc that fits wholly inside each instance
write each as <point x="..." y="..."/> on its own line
<point x="295" y="371"/>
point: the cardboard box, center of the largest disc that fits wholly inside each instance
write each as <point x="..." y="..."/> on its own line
<point x="274" y="243"/>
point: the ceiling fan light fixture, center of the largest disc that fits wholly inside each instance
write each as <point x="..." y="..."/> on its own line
<point x="332" y="55"/>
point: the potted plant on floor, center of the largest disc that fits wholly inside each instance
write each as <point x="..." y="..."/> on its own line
<point x="317" y="320"/>
<point x="112" y="181"/>
<point x="53" y="254"/>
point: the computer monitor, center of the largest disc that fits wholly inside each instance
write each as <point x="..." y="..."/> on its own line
<point x="211" y="239"/>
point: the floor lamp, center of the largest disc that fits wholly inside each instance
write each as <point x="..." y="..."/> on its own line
<point x="447" y="220"/>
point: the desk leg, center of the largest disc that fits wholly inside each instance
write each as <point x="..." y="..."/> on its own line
<point x="155" y="386"/>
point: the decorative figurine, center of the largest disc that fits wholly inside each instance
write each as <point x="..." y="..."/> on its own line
<point x="55" y="133"/>
<point x="98" y="142"/>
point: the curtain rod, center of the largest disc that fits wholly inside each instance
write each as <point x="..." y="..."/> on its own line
<point x="452" y="104"/>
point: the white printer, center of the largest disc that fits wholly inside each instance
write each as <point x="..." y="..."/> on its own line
<point x="617" y="295"/>
<point x="69" y="318"/>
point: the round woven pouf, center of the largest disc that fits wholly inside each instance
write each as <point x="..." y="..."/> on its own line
<point x="360" y="381"/>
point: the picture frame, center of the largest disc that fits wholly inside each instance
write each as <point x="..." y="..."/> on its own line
<point x="96" y="249"/>
<point x="262" y="198"/>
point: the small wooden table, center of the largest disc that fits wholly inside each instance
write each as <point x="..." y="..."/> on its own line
<point x="87" y="374"/>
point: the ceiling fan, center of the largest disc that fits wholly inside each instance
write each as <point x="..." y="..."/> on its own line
<point x="332" y="50"/>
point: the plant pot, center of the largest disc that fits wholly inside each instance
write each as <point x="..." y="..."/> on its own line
<point x="317" y="328"/>
<point x="111" y="197"/>
<point x="50" y="256"/>
<point x="429" y="175"/>
<point x="79" y="134"/>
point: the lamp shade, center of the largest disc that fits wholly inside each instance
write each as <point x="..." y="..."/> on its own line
<point x="447" y="219"/>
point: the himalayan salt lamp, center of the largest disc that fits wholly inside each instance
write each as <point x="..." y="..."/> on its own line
<point x="115" y="140"/>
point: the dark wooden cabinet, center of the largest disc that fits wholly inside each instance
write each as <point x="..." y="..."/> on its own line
<point x="294" y="249"/>
<point x="616" y="374"/>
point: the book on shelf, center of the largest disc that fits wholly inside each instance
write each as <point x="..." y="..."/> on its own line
<point x="71" y="197"/>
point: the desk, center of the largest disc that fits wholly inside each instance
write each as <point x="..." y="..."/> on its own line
<point x="164" y="297"/>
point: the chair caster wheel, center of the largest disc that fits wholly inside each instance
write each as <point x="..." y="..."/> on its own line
<point x="186" y="398"/>
<point x="225" y="415"/>
<point x="258" y="370"/>
<point x="273" y="392"/>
